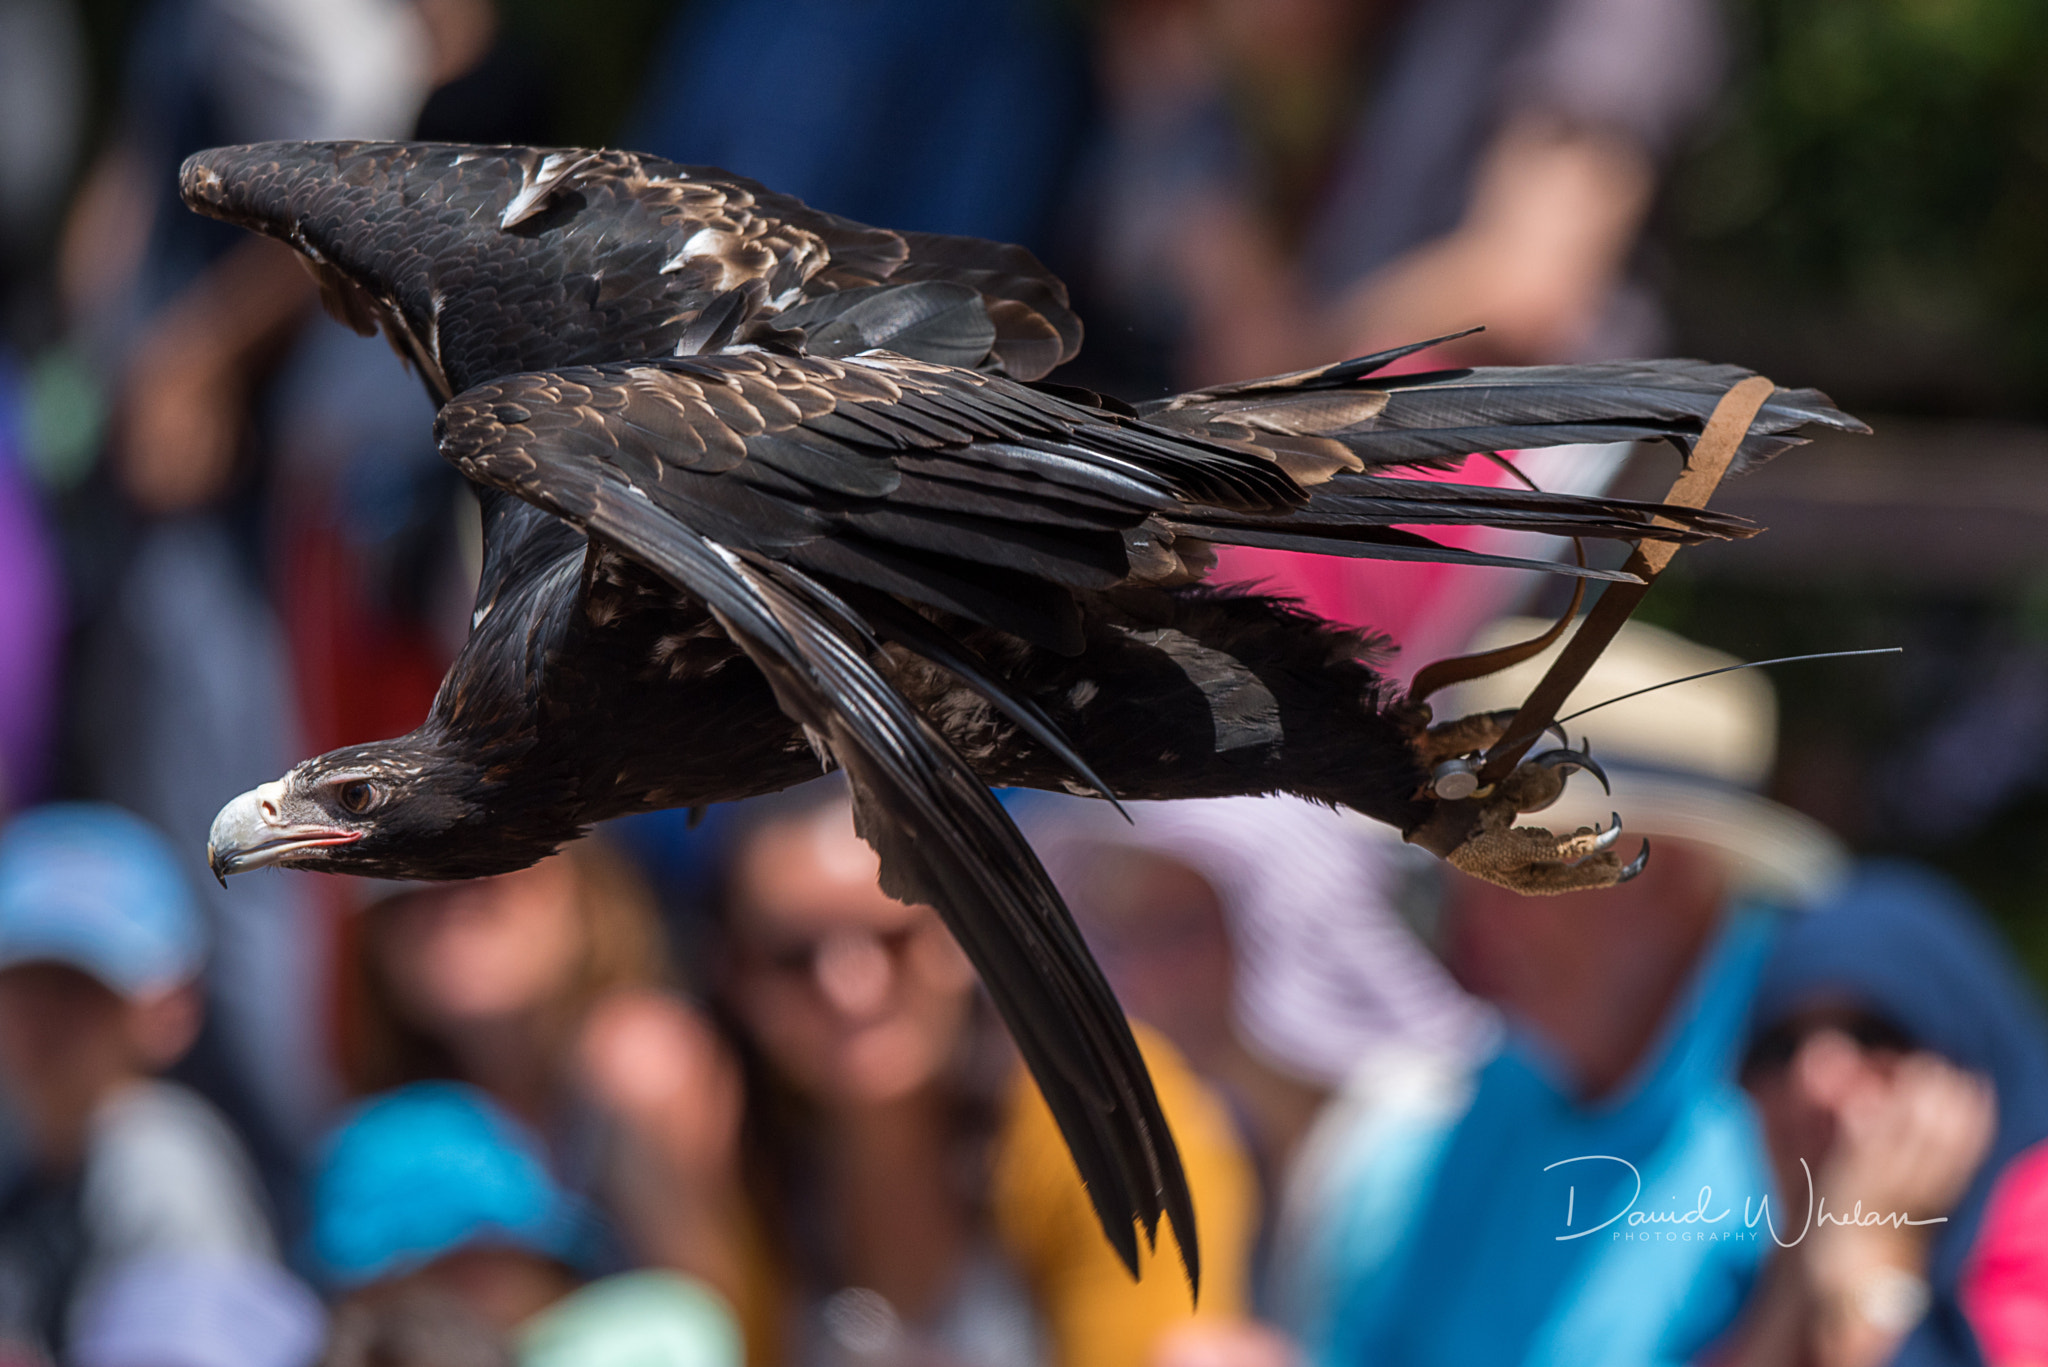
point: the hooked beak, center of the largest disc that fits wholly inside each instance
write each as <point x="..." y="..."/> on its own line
<point x="251" y="832"/>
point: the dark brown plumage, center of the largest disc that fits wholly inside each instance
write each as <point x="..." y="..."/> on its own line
<point x="763" y="488"/>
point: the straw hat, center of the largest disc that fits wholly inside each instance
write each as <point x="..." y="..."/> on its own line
<point x="1685" y="761"/>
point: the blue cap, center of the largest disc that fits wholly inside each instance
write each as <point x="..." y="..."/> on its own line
<point x="430" y="1169"/>
<point x="97" y="888"/>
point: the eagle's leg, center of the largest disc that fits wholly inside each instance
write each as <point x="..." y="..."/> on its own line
<point x="1463" y="736"/>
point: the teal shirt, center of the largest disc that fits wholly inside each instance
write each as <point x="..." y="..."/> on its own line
<point x="1452" y="1226"/>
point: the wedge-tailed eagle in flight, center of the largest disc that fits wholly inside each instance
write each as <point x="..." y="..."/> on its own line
<point x="764" y="487"/>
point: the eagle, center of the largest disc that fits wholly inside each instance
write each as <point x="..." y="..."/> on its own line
<point x="764" y="489"/>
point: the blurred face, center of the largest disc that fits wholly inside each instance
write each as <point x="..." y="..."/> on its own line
<point x="482" y="952"/>
<point x="856" y="998"/>
<point x="1593" y="972"/>
<point x="1158" y="930"/>
<point x="67" y="1040"/>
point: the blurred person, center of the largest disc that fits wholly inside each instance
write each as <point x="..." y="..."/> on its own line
<point x="182" y="687"/>
<point x="433" y="1195"/>
<point x="1282" y="183"/>
<point x="31" y="606"/>
<point x="1899" y="1063"/>
<point x="488" y="981"/>
<point x="43" y="107"/>
<point x="911" y="1198"/>
<point x="196" y="329"/>
<point x="546" y="989"/>
<point x="101" y="949"/>
<point x="169" y="1310"/>
<point x="1497" y="1213"/>
<point x="447" y="1240"/>
<point x="921" y="114"/>
<point x="1260" y="935"/>
<point x="188" y="314"/>
<point x="1273" y="184"/>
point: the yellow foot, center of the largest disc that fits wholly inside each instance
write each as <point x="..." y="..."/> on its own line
<point x="1478" y="835"/>
<point x="1533" y="861"/>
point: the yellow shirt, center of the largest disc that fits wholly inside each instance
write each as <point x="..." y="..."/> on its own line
<point x="1096" y="1315"/>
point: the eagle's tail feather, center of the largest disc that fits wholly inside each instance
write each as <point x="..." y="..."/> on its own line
<point x="1338" y="416"/>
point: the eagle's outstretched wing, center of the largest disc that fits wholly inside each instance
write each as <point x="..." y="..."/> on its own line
<point x="484" y="261"/>
<point x="943" y="838"/>
<point x="982" y="497"/>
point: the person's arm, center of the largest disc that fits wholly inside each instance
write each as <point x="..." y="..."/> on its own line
<point x="1555" y="212"/>
<point x="1097" y="1316"/>
<point x="184" y="396"/>
<point x="658" y="1071"/>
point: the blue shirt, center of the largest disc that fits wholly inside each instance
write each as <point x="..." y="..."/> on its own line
<point x="1497" y="1219"/>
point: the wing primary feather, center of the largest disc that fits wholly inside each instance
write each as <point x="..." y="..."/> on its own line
<point x="1380" y="543"/>
<point x="949" y="843"/>
<point x="943" y="837"/>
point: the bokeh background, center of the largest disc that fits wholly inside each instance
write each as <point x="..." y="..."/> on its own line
<point x="226" y="542"/>
<point x="1861" y="211"/>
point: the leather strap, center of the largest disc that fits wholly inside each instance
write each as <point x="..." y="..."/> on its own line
<point x="1711" y="455"/>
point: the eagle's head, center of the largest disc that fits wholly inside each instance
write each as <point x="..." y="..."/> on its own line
<point x="388" y="810"/>
<point x="478" y="262"/>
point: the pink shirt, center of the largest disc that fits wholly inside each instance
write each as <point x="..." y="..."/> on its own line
<point x="1430" y="610"/>
<point x="2005" y="1284"/>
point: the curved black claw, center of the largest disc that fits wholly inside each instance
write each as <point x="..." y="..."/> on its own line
<point x="1577" y="759"/>
<point x="1606" y="840"/>
<point x="1635" y="865"/>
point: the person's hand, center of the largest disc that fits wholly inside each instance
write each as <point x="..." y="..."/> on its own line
<point x="672" y="1088"/>
<point x="1223" y="1343"/>
<point x="1909" y="1142"/>
<point x="179" y="421"/>
<point x="1908" y="1139"/>
<point x="658" y="1069"/>
<point x="180" y="413"/>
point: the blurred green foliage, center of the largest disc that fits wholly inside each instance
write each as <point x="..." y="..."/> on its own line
<point x="1883" y="164"/>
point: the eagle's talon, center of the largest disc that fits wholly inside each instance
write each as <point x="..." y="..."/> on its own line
<point x="1481" y="839"/>
<point x="1570" y="761"/>
<point x="1635" y="866"/>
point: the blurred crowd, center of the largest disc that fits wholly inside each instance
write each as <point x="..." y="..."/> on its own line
<point x="698" y="1092"/>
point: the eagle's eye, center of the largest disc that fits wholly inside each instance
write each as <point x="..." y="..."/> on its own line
<point x="356" y="796"/>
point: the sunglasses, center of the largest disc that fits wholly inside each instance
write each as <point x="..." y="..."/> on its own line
<point x="1775" y="1049"/>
